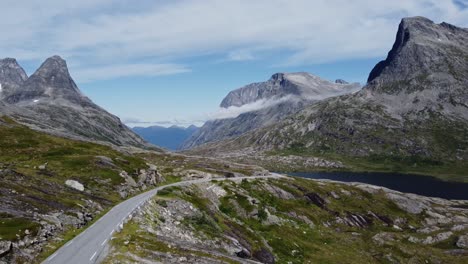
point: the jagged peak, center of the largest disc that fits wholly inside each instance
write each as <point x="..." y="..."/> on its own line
<point x="53" y="63"/>
<point x="416" y="20"/>
<point x="8" y="61"/>
<point x="341" y="81"/>
<point x="11" y="71"/>
<point x="419" y="31"/>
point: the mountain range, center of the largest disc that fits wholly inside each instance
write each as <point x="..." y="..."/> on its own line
<point x="50" y="101"/>
<point x="412" y="111"/>
<point x="267" y="103"/>
<point x="411" y="116"/>
<point x="167" y="137"/>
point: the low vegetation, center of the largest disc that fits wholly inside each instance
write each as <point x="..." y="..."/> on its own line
<point x="293" y="221"/>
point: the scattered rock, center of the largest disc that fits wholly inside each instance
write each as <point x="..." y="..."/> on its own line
<point x="75" y="185"/>
<point x="244" y="253"/>
<point x="5" y="247"/>
<point x="383" y="238"/>
<point x="105" y="162"/>
<point x="264" y="256"/>
<point x="315" y="199"/>
<point x="278" y="192"/>
<point x="429" y="229"/>
<point x="334" y="195"/>
<point x="413" y="206"/>
<point x="129" y="180"/>
<point x="43" y="166"/>
<point x="462" y="241"/>
<point x="432" y="239"/>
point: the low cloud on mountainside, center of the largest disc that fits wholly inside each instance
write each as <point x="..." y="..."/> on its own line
<point x="235" y="111"/>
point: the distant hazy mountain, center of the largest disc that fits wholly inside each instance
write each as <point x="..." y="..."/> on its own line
<point x="50" y="101"/>
<point x="282" y="95"/>
<point x="167" y="137"/>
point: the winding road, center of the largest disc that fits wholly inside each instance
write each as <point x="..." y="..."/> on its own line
<point x="89" y="244"/>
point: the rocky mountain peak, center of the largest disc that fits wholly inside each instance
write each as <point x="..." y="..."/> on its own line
<point x="55" y="72"/>
<point x="341" y="81"/>
<point x="423" y="50"/>
<point x="300" y="84"/>
<point x="51" y="81"/>
<point x="53" y="65"/>
<point x="11" y="72"/>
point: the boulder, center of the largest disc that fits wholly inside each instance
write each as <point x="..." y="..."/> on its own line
<point x="383" y="238"/>
<point x="75" y="185"/>
<point x="5" y="247"/>
<point x="462" y="241"/>
<point x="413" y="206"/>
<point x="438" y="238"/>
<point x="315" y="199"/>
<point x="129" y="180"/>
<point x="105" y="162"/>
<point x="43" y="166"/>
<point x="264" y="256"/>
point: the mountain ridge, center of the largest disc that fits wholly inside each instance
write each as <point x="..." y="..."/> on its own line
<point x="397" y="118"/>
<point x="50" y="101"/>
<point x="283" y="94"/>
<point x="167" y="137"/>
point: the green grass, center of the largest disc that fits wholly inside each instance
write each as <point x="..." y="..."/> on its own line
<point x="23" y="150"/>
<point x="294" y="240"/>
<point x="10" y="227"/>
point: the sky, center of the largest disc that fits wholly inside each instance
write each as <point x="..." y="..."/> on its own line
<point x="172" y="62"/>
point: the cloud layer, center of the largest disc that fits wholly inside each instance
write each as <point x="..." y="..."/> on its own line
<point x="96" y="35"/>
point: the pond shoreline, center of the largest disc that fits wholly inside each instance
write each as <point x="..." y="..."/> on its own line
<point x="408" y="183"/>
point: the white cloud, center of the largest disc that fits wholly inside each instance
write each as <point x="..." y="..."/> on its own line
<point x="235" y="111"/>
<point x="120" y="32"/>
<point x="240" y="55"/>
<point x="134" y="122"/>
<point x="125" y="70"/>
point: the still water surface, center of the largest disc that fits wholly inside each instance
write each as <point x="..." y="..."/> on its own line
<point x="423" y="185"/>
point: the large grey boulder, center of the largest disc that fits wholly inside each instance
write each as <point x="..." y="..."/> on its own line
<point x="5" y="247"/>
<point x="75" y="185"/>
<point x="462" y="241"/>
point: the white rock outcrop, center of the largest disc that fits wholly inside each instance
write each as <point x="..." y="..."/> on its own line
<point x="75" y="185"/>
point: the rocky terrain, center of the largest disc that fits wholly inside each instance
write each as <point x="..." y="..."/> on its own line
<point x="412" y="113"/>
<point x="282" y="95"/>
<point x="50" y="101"/>
<point x="54" y="187"/>
<point x="293" y="220"/>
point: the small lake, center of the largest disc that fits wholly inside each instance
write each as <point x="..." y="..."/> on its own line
<point x="408" y="183"/>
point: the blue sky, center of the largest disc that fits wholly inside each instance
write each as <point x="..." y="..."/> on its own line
<point x="171" y="62"/>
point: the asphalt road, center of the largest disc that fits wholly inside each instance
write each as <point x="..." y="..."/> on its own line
<point x="87" y="246"/>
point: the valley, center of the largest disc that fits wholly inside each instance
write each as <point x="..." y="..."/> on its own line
<point x="295" y="169"/>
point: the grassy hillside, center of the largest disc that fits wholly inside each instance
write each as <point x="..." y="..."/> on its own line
<point x="33" y="170"/>
<point x="292" y="221"/>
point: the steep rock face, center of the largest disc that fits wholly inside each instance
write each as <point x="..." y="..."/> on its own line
<point x="51" y="81"/>
<point x="50" y="101"/>
<point x="426" y="68"/>
<point x="283" y="94"/>
<point x="413" y="106"/>
<point x="11" y="76"/>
